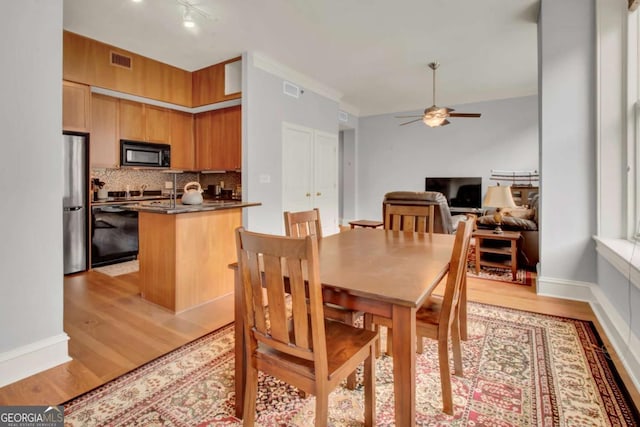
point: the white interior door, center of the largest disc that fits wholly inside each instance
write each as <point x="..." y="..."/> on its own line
<point x="297" y="143"/>
<point x="325" y="180"/>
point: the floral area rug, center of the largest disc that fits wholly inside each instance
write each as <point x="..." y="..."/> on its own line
<point x="520" y="369"/>
<point x="523" y="276"/>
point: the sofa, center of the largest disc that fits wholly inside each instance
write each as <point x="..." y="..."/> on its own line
<point x="443" y="222"/>
<point x="524" y="219"/>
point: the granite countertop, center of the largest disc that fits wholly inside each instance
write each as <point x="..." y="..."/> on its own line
<point x="123" y="200"/>
<point x="141" y="199"/>
<point x="166" y="207"/>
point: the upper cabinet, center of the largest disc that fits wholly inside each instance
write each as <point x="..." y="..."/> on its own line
<point x="103" y="140"/>
<point x="98" y="64"/>
<point x="143" y="122"/>
<point x="219" y="82"/>
<point x="182" y="144"/>
<point x="218" y="139"/>
<point x="76" y="107"/>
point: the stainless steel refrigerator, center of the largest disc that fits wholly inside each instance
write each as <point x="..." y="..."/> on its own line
<point x="74" y="203"/>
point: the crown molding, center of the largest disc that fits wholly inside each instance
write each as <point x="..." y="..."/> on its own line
<point x="272" y="66"/>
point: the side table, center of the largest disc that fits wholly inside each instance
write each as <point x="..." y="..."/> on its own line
<point x="497" y="250"/>
<point x="366" y="223"/>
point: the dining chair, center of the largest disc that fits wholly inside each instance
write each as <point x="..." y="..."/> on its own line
<point x="303" y="223"/>
<point x="299" y="346"/>
<point x="438" y="317"/>
<point x="307" y="223"/>
<point x="417" y="218"/>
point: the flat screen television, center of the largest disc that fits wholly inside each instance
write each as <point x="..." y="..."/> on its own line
<point x="461" y="192"/>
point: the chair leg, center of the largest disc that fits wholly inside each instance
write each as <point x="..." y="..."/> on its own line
<point x="445" y="377"/>
<point x="322" y="407"/>
<point x="370" y="389"/>
<point x="369" y="325"/>
<point x="462" y="309"/>
<point x="419" y="346"/>
<point x="351" y="379"/>
<point x="250" y="395"/>
<point x="457" y="351"/>
<point x="390" y="341"/>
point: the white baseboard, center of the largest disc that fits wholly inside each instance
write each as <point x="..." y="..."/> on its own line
<point x="625" y="343"/>
<point x="30" y="359"/>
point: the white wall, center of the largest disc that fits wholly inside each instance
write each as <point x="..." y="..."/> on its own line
<point x="31" y="288"/>
<point x="348" y="176"/>
<point x="567" y="135"/>
<point x="393" y="157"/>
<point x="616" y="297"/>
<point x="265" y="107"/>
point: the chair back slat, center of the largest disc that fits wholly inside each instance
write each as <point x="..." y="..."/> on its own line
<point x="303" y="223"/>
<point x="409" y="218"/>
<point x="457" y="274"/>
<point x="299" y="305"/>
<point x="287" y="269"/>
<point x="277" y="305"/>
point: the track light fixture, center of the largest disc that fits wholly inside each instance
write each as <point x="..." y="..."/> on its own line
<point x="189" y="11"/>
<point x="187" y="18"/>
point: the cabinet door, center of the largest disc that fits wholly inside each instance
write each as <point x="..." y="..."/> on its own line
<point x="131" y="120"/>
<point x="231" y="138"/>
<point x="157" y="122"/>
<point x="76" y="110"/>
<point x="182" y="144"/>
<point x="208" y="130"/>
<point x="104" y="145"/>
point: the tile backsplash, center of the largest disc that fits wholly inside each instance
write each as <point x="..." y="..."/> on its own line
<point x="119" y="179"/>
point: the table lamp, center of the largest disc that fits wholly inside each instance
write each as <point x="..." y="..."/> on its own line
<point x="498" y="197"/>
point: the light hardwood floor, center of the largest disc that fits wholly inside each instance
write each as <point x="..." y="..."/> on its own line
<point x="113" y="331"/>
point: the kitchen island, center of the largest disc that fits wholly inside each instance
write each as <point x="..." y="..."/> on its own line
<point x="185" y="251"/>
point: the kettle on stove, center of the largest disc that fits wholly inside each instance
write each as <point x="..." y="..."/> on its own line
<point x="192" y="196"/>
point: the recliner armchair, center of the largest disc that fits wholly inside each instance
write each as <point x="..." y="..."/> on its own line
<point x="443" y="221"/>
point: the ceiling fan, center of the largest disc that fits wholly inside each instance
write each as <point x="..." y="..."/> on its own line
<point x="436" y="116"/>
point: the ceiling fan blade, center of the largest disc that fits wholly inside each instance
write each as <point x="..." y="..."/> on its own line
<point x="412" y="121"/>
<point x="405" y="117"/>
<point x="464" y="114"/>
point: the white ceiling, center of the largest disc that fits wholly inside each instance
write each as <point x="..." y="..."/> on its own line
<point x="374" y="52"/>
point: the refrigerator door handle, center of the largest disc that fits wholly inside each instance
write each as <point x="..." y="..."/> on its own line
<point x="73" y="208"/>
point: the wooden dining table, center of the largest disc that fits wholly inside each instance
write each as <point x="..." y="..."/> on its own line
<point x="388" y="273"/>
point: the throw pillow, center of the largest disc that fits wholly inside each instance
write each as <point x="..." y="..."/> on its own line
<point x="509" y="222"/>
<point x="518" y="212"/>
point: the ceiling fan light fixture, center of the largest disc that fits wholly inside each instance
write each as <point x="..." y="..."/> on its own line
<point x="435" y="116"/>
<point x="433" y="121"/>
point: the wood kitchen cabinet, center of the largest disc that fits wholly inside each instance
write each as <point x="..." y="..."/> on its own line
<point x="143" y="122"/>
<point x="210" y="84"/>
<point x="182" y="144"/>
<point x="218" y="139"/>
<point x="103" y="139"/>
<point x="76" y="107"/>
<point x="157" y="124"/>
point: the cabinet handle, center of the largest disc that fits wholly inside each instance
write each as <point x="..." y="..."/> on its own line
<point x="308" y="194"/>
<point x="318" y="194"/>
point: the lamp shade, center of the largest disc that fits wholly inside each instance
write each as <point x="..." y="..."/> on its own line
<point x="499" y="197"/>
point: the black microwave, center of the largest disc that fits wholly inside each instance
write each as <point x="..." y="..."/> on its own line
<point x="144" y="154"/>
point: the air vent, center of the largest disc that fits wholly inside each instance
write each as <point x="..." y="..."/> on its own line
<point x="291" y="89"/>
<point x="343" y="116"/>
<point x="120" y="60"/>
